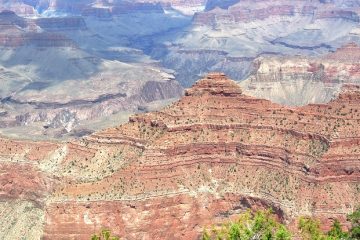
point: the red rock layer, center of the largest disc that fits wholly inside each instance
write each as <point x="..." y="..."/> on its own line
<point x="171" y="217"/>
<point x="214" y="142"/>
<point x="21" y="178"/>
<point x="203" y="159"/>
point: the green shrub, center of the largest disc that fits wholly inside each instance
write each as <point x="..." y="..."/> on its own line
<point x="355" y="224"/>
<point x="260" y="225"/>
<point x="104" y="235"/>
<point x="336" y="232"/>
<point x="310" y="229"/>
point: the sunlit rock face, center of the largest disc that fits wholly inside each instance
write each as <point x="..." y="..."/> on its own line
<point x="207" y="157"/>
<point x="77" y="69"/>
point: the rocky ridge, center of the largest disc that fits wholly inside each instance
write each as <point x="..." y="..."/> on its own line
<point x="208" y="156"/>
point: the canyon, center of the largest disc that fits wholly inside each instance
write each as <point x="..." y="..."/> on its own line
<point x="97" y="130"/>
<point x="56" y="55"/>
<point x="167" y="174"/>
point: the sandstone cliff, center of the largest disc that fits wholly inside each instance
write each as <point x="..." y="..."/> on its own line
<point x="166" y="174"/>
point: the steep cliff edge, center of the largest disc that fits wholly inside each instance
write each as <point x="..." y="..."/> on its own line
<point x="210" y="155"/>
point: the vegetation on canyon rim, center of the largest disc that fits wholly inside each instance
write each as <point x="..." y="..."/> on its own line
<point x="262" y="225"/>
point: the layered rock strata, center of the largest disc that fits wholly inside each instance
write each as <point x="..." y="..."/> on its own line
<point x="208" y="156"/>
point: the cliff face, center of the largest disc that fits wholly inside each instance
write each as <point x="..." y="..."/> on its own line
<point x="302" y="80"/>
<point x="204" y="158"/>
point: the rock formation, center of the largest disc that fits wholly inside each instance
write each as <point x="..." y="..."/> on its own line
<point x="166" y="174"/>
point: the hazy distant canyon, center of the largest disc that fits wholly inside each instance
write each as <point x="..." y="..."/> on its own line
<point x="69" y="68"/>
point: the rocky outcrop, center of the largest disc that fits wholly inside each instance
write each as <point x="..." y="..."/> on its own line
<point x="18" y="7"/>
<point x="67" y="114"/>
<point x="229" y="35"/>
<point x="211" y="155"/>
<point x="29" y="8"/>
